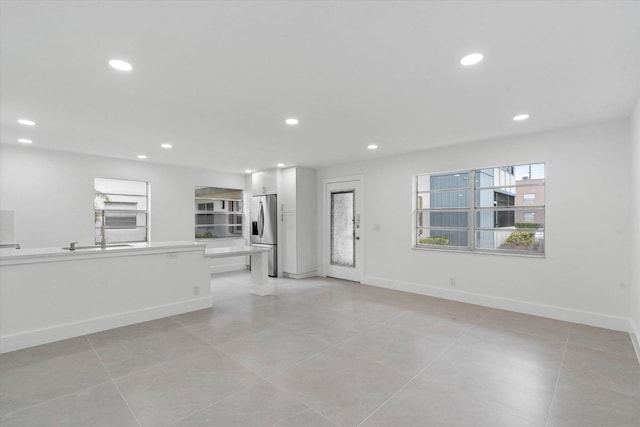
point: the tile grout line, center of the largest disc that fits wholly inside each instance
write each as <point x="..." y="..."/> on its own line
<point x="418" y="374"/>
<point x="373" y="325"/>
<point x="113" y="381"/>
<point x="309" y="407"/>
<point x="267" y="378"/>
<point x="62" y="396"/>
<point x="555" y="387"/>
<point x="213" y="347"/>
<point x="152" y="364"/>
<point x="263" y="379"/>
<point x="71" y="393"/>
<point x="331" y="347"/>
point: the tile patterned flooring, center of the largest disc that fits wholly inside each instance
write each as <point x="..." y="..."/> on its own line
<point x="323" y="352"/>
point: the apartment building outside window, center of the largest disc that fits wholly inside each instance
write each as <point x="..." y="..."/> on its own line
<point x="499" y="209"/>
<point x="121" y="209"/>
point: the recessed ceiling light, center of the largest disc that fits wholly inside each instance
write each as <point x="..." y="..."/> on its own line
<point x="121" y="65"/>
<point x="520" y="117"/>
<point x="25" y="141"/>
<point x="26" y="122"/>
<point x="247" y="171"/>
<point x="280" y="165"/>
<point x="292" y="121"/>
<point x="142" y="156"/>
<point x="372" y="147"/>
<point x="167" y="146"/>
<point x="472" y="59"/>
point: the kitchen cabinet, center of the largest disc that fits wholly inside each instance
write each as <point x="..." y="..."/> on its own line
<point x="264" y="182"/>
<point x="299" y="216"/>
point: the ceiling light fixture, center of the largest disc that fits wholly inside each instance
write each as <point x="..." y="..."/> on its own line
<point x="372" y="147"/>
<point x="471" y="59"/>
<point x="292" y="121"/>
<point x="142" y="156"/>
<point x="25" y="141"/>
<point x="26" y="122"/>
<point x="121" y="65"/>
<point x="247" y="171"/>
<point x="280" y="165"/>
<point x="520" y="117"/>
<point x="167" y="146"/>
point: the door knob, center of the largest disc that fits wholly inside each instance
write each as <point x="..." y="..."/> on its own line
<point x="357" y="237"/>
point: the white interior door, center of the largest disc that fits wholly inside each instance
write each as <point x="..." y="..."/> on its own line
<point x="344" y="230"/>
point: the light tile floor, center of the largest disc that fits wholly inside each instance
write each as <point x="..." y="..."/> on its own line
<point x="324" y="352"/>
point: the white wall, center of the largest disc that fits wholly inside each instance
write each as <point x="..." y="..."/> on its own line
<point x="52" y="194"/>
<point x="585" y="276"/>
<point x="635" y="223"/>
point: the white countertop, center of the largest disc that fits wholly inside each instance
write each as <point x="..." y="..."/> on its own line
<point x="233" y="251"/>
<point x="10" y="256"/>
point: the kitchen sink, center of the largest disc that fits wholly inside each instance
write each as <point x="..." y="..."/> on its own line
<point x="78" y="248"/>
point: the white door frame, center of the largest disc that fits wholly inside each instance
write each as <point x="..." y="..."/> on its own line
<point x="326" y="207"/>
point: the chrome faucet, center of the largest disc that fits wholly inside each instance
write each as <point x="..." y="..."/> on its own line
<point x="72" y="246"/>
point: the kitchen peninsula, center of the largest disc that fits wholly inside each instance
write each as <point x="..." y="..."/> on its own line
<point x="49" y="294"/>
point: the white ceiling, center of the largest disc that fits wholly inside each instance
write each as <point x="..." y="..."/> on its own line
<point x="218" y="78"/>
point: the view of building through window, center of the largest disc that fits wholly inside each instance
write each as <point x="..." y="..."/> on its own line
<point x="121" y="210"/>
<point x="493" y="209"/>
<point x="218" y="212"/>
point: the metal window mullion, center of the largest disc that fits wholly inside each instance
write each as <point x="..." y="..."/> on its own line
<point x="500" y="187"/>
<point x="443" y="228"/>
<point x="446" y="190"/>
<point x="510" y="208"/>
<point x="471" y="221"/>
<point x="511" y="230"/>
<point x="125" y="194"/>
<point x="443" y="210"/>
<point x="147" y="219"/>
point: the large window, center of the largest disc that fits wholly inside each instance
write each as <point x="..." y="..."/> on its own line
<point x="121" y="210"/>
<point x="497" y="209"/>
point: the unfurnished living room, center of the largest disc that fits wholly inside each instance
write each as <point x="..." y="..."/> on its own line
<point x="320" y="213"/>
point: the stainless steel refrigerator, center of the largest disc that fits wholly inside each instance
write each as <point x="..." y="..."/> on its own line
<point x="264" y="228"/>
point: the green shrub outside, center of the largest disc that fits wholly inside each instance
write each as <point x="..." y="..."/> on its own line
<point x="433" y="240"/>
<point x="207" y="235"/>
<point x="521" y="238"/>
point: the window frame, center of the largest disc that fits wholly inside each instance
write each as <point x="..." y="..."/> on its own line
<point x="214" y="210"/>
<point x="103" y="214"/>
<point x="472" y="210"/>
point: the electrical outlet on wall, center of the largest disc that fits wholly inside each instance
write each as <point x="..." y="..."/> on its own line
<point x="452" y="281"/>
<point x="196" y="290"/>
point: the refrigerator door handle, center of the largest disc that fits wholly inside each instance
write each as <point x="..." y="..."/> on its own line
<point x="261" y="220"/>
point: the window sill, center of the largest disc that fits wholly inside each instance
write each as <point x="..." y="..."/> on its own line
<point x="480" y="251"/>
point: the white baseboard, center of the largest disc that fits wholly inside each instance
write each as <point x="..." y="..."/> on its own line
<point x="98" y="324"/>
<point x="635" y="339"/>
<point x="553" y="312"/>
<point x="302" y="275"/>
<point x="228" y="267"/>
